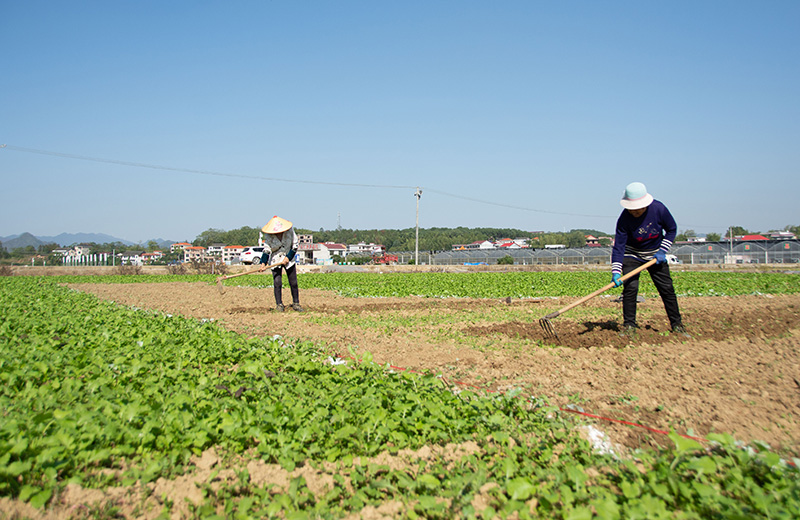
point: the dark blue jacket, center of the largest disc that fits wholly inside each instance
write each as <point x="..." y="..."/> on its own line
<point x="642" y="237"/>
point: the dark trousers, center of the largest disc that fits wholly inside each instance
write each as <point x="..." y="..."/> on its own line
<point x="659" y="273"/>
<point x="277" y="283"/>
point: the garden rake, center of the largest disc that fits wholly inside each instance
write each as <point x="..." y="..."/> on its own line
<point x="220" y="285"/>
<point x="547" y="325"/>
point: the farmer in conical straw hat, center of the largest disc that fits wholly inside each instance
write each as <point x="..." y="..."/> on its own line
<point x="645" y="230"/>
<point x="281" y="246"/>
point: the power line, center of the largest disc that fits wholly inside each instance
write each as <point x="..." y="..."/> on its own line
<point x="511" y="206"/>
<point x="201" y="172"/>
<point x="296" y="181"/>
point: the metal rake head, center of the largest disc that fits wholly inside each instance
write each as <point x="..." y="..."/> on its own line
<point x="547" y="326"/>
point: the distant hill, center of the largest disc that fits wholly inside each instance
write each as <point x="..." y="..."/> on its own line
<point x="21" y="241"/>
<point x="67" y="239"/>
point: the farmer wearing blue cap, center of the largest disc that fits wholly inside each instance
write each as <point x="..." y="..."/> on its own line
<point x="645" y="230"/>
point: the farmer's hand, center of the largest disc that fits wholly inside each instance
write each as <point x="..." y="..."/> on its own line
<point x="615" y="279"/>
<point x="661" y="257"/>
<point x="262" y="268"/>
<point x="285" y="260"/>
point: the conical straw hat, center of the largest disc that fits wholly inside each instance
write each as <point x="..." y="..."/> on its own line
<point x="276" y="225"/>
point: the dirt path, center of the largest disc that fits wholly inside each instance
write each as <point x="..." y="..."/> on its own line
<point x="738" y="374"/>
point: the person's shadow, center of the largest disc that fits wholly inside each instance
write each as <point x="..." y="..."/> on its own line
<point x="601" y="325"/>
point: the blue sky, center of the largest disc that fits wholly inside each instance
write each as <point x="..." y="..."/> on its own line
<point x="521" y="114"/>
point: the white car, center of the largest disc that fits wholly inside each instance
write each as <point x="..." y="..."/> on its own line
<point x="251" y="255"/>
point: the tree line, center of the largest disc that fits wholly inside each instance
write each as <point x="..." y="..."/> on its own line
<point x="395" y="240"/>
<point x="430" y="239"/>
<point x="443" y="239"/>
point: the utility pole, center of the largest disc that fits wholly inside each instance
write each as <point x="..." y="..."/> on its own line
<point x="730" y="241"/>
<point x="417" y="194"/>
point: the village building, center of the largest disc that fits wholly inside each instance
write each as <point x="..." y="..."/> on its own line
<point x="196" y="253"/>
<point x="363" y="248"/>
<point x="230" y="254"/>
<point x="336" y="249"/>
<point x="132" y="257"/>
<point x="317" y="254"/>
<point x="178" y="247"/>
<point x="149" y="258"/>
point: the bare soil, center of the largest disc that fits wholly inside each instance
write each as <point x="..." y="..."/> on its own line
<point x="739" y="373"/>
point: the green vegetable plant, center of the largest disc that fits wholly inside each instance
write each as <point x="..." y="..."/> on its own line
<point x="88" y="386"/>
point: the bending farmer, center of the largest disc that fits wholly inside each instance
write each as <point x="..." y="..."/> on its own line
<point x="281" y="246"/>
<point x="645" y="230"/>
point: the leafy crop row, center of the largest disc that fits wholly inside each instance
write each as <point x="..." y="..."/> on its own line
<point x="539" y="284"/>
<point x="87" y="385"/>
<point x="492" y="285"/>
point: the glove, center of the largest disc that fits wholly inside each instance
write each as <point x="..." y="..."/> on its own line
<point x="661" y="257"/>
<point x="615" y="279"/>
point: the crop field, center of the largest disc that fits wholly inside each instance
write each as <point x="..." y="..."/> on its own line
<point x="397" y="395"/>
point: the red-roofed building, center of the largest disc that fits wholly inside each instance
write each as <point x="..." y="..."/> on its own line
<point x="193" y="253"/>
<point x="148" y="258"/>
<point x="230" y="254"/>
<point x="592" y="241"/>
<point x="336" y="249"/>
<point x="178" y="246"/>
<point x="320" y="254"/>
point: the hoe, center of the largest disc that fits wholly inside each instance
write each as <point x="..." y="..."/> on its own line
<point x="221" y="287"/>
<point x="547" y="325"/>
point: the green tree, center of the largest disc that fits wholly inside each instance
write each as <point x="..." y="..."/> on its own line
<point x="208" y="237"/>
<point x="736" y="231"/>
<point x="576" y="238"/>
<point x="245" y="236"/>
<point x="713" y="237"/>
<point x="46" y="249"/>
<point x="506" y="260"/>
<point x="23" y="252"/>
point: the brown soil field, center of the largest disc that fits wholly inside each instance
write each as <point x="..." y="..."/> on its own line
<point x="739" y="373"/>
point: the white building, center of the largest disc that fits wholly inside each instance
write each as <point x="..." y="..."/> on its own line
<point x="365" y="249"/>
<point x="480" y="244"/>
<point x="317" y="254"/>
<point x="230" y="254"/>
<point x="132" y="257"/>
<point x="179" y="246"/>
<point x="216" y="250"/>
<point x="197" y="253"/>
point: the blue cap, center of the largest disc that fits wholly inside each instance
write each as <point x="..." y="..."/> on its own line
<point x="636" y="196"/>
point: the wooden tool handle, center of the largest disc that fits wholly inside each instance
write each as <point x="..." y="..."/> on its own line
<point x="246" y="272"/>
<point x="604" y="289"/>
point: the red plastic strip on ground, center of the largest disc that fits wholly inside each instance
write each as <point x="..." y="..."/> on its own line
<point x="585" y="414"/>
<point x="577" y="412"/>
